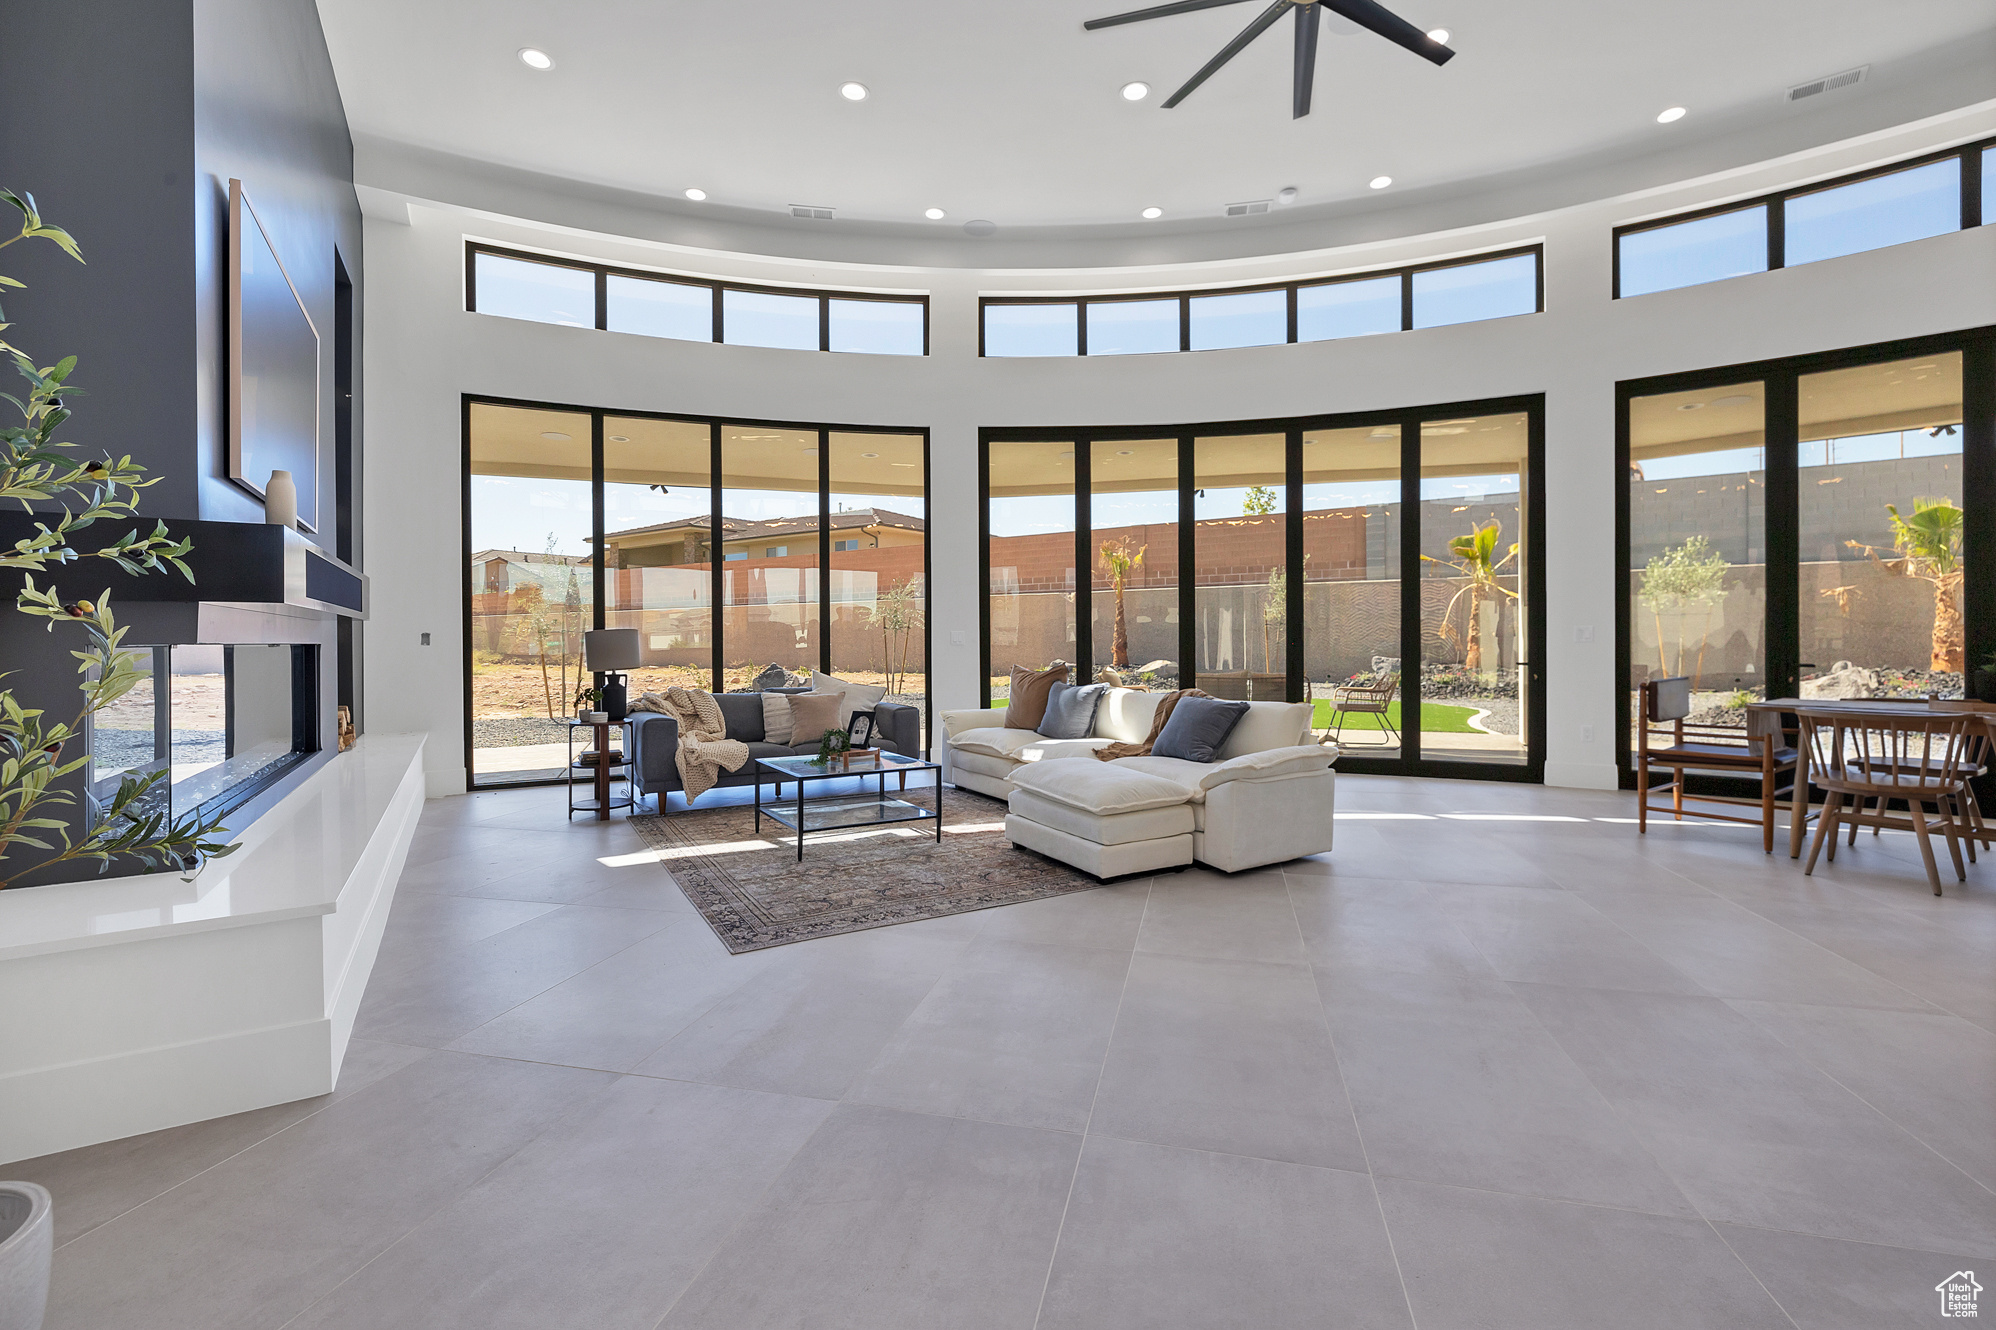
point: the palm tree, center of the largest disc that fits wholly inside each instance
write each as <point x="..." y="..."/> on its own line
<point x="1476" y="562"/>
<point x="1929" y="547"/>
<point x="1120" y="560"/>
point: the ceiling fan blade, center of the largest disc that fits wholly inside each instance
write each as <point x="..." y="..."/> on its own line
<point x="1156" y="11"/>
<point x="1306" y="58"/>
<point x="1233" y="48"/>
<point x="1378" y="18"/>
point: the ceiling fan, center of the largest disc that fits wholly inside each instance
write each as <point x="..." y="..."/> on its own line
<point x="1366" y="13"/>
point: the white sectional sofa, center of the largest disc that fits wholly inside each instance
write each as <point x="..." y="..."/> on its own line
<point x="1266" y="799"/>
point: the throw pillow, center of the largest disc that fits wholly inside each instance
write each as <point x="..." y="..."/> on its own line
<point x="1197" y="728"/>
<point x="853" y="696"/>
<point x="772" y="676"/>
<point x="777" y="718"/>
<point x="811" y="714"/>
<point x="1028" y="704"/>
<point x="1070" y="712"/>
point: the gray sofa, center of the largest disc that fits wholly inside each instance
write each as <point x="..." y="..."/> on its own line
<point x="655" y="741"/>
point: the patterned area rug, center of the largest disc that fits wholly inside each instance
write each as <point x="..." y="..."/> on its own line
<point x="755" y="894"/>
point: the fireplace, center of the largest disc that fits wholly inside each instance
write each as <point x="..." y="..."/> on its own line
<point x="223" y="721"/>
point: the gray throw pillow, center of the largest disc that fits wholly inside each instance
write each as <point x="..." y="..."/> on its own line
<point x="1070" y="712"/>
<point x="1197" y="728"/>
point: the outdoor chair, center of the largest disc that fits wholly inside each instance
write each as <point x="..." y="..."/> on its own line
<point x="1665" y="739"/>
<point x="1373" y="699"/>
<point x="1860" y="756"/>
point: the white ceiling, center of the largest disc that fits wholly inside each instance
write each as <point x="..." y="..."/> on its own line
<point x="1009" y="111"/>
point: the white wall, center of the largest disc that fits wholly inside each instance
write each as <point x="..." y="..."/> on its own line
<point x="424" y="350"/>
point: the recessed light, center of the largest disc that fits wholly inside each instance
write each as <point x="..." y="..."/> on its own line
<point x="620" y="438"/>
<point x="1286" y="195"/>
<point x="1381" y="181"/>
<point x="853" y="92"/>
<point x="1126" y="452"/>
<point x="1674" y="113"/>
<point x="1438" y="35"/>
<point x="535" y="58"/>
<point x="1731" y="399"/>
<point x="696" y="194"/>
<point x="935" y="214"/>
<point x="1135" y="92"/>
<point x="554" y="434"/>
<point x="869" y="454"/>
<point x="1690" y="406"/>
<point x="1152" y="214"/>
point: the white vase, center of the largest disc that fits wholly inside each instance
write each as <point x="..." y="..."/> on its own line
<point x="26" y="1242"/>
<point x="280" y="500"/>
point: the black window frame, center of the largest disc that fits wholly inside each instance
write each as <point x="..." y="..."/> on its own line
<point x="716" y="427"/>
<point x="1969" y="154"/>
<point x="1185" y="297"/>
<point x="715" y="286"/>
<point x="1409" y="421"/>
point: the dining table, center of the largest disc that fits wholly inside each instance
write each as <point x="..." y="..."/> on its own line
<point x="1776" y="716"/>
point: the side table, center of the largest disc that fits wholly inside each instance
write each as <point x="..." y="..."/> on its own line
<point x="602" y="772"/>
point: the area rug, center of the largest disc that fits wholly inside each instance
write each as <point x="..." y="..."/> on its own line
<point x="754" y="893"/>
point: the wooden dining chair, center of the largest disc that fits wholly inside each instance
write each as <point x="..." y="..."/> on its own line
<point x="1976" y="750"/>
<point x="1876" y="757"/>
<point x="1665" y="738"/>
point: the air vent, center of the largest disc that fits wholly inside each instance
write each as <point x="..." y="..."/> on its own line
<point x="1816" y="87"/>
<point x="1254" y="209"/>
<point x="809" y="213"/>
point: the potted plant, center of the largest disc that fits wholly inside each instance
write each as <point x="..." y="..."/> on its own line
<point x="38" y="469"/>
<point x="588" y="706"/>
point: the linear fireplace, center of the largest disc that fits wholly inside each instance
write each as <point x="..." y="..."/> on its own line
<point x="224" y="722"/>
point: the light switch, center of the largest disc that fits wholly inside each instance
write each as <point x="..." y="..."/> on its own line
<point x="1584" y="633"/>
<point x="956" y="637"/>
<point x="1587" y="734"/>
<point x="426" y="639"/>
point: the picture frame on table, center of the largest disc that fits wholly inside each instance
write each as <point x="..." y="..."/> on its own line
<point x="860" y="731"/>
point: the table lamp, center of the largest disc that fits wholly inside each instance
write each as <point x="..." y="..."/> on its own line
<point x="609" y="652"/>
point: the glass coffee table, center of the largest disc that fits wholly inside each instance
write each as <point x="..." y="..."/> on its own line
<point x="848" y="811"/>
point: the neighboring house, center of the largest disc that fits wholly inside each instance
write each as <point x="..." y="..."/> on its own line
<point x="689" y="540"/>
<point x="504" y="570"/>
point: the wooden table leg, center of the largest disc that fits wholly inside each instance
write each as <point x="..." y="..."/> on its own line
<point x="1798" y="803"/>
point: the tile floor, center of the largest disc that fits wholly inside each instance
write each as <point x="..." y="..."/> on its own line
<point x="1493" y="1063"/>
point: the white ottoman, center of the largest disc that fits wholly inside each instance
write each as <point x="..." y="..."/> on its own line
<point x="1103" y="819"/>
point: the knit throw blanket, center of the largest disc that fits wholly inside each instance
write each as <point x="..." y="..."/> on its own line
<point x="1164" y="706"/>
<point x="705" y="750"/>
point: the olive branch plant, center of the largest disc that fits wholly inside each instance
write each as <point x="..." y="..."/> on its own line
<point x="65" y="494"/>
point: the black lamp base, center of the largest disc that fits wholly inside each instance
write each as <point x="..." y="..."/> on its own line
<point x="616" y="700"/>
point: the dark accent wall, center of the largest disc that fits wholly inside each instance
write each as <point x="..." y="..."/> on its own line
<point x="99" y="126"/>
<point x="127" y="121"/>
<point x="267" y="112"/>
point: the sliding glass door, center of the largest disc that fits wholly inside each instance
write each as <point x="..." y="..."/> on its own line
<point x="1350" y="515"/>
<point x="1279" y="560"/>
<point x="529" y="590"/>
<point x="1697" y="546"/>
<point x="1822" y="527"/>
<point x="730" y="546"/>
<point x="1474" y="588"/>
<point x="1240" y="538"/>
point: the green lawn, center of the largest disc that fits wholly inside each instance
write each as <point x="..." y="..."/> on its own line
<point x="1435" y="718"/>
